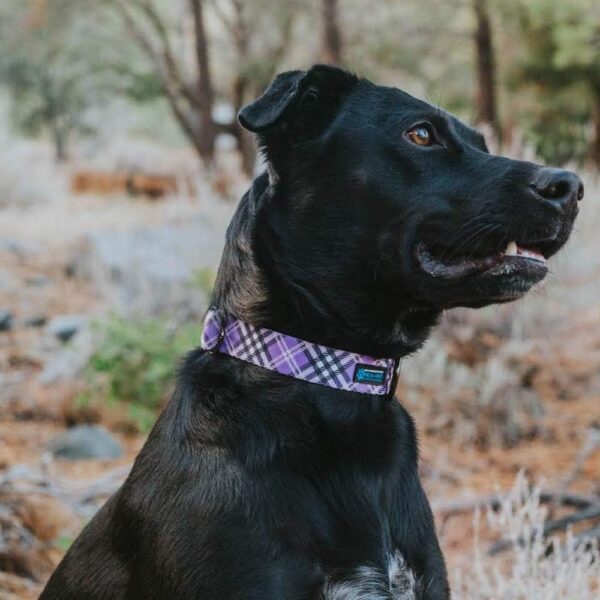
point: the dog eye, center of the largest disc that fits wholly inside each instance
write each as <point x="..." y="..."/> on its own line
<point x="310" y="99"/>
<point x="421" y="135"/>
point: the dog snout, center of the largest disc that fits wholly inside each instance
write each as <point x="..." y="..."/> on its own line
<point x="558" y="188"/>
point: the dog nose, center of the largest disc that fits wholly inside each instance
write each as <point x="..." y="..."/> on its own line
<point x="558" y="187"/>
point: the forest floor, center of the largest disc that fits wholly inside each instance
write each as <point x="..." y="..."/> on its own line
<point x="508" y="390"/>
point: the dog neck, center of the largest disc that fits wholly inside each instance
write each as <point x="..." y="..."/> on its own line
<point x="255" y="284"/>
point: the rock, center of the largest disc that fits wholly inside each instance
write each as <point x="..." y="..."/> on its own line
<point x="63" y="366"/>
<point x="18" y="248"/>
<point x="153" y="270"/>
<point x="84" y="442"/>
<point x="36" y="321"/>
<point x="64" y="327"/>
<point x="65" y="362"/>
<point x="17" y="543"/>
<point x="46" y="517"/>
<point x="13" y="587"/>
<point x="37" y="281"/>
<point x="70" y="269"/>
<point x="6" y="320"/>
<point x="21" y="552"/>
<point x="8" y="281"/>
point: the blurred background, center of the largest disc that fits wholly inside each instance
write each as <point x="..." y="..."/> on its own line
<point x="120" y="165"/>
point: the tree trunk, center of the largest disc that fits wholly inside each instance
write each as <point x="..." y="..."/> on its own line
<point x="240" y="34"/>
<point x="245" y="139"/>
<point x="595" y="149"/>
<point x="59" y="138"/>
<point x="486" y="68"/>
<point x="206" y="134"/>
<point x="332" y="38"/>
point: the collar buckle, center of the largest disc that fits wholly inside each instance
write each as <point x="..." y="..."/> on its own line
<point x="394" y="381"/>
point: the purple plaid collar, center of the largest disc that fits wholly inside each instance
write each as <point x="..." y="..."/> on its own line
<point x="297" y="358"/>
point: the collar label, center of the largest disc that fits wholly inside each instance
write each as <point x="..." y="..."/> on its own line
<point x="370" y="374"/>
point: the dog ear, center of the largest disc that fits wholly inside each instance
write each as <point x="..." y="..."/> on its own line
<point x="267" y="110"/>
<point x="294" y="94"/>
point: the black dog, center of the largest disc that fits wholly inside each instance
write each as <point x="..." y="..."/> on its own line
<point x="376" y="213"/>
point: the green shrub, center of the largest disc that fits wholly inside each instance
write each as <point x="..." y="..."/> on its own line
<point x="135" y="363"/>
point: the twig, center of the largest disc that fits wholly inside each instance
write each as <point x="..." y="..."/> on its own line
<point x="591" y="444"/>
<point x="78" y="495"/>
<point x="588" y="535"/>
<point x="569" y="499"/>
<point x="591" y="512"/>
<point x="462" y="505"/>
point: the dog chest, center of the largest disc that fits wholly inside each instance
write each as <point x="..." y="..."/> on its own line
<point x="368" y="582"/>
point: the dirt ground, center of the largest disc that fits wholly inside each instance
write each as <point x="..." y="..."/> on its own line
<point x="461" y="455"/>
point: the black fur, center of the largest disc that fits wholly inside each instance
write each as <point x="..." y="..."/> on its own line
<point x="256" y="486"/>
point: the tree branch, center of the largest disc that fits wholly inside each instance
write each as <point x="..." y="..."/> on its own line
<point x="162" y="58"/>
<point x="206" y="139"/>
<point x="170" y="82"/>
<point x="591" y="512"/>
<point x="223" y="17"/>
<point x="455" y="507"/>
<point x="170" y="64"/>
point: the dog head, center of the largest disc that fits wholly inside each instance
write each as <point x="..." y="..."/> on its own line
<point x="379" y="201"/>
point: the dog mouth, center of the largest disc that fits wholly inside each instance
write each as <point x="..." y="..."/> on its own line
<point x="530" y="261"/>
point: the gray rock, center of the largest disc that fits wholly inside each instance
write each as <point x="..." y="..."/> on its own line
<point x="64" y="327"/>
<point x="8" y="281"/>
<point x="65" y="362"/>
<point x="35" y="321"/>
<point x="18" y="248"/>
<point x="38" y="281"/>
<point x="85" y="442"/>
<point x="6" y="320"/>
<point x="65" y="366"/>
<point x="151" y="271"/>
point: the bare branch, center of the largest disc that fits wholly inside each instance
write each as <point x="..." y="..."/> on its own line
<point x="159" y="52"/>
<point x="591" y="444"/>
<point x="145" y="44"/>
<point x="223" y="16"/>
<point x="80" y="495"/>
<point x="278" y="52"/>
<point x="332" y="37"/>
<point x="591" y="512"/>
<point x="588" y="535"/>
<point x="171" y="83"/>
<point x="206" y="140"/>
<point x="170" y="64"/>
<point x="493" y="501"/>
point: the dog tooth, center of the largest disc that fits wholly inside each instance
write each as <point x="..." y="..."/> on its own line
<point x="511" y="249"/>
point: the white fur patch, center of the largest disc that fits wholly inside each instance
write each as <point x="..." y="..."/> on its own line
<point x="372" y="583"/>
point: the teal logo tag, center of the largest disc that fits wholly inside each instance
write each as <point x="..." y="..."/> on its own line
<point x="369" y="374"/>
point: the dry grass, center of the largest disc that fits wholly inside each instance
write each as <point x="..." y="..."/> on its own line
<point x="539" y="569"/>
<point x="27" y="175"/>
<point x="493" y="391"/>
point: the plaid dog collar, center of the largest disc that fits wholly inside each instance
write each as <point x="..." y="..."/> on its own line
<point x="297" y="358"/>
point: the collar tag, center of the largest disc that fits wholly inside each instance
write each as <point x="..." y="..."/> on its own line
<point x="370" y="374"/>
